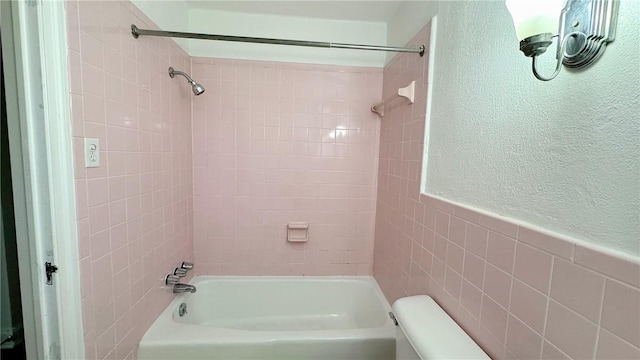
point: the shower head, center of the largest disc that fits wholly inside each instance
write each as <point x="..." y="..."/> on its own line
<point x="195" y="87"/>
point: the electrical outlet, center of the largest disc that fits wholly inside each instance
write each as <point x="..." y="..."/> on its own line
<point x="91" y="152"/>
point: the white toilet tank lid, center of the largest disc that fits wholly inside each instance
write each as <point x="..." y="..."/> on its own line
<point x="431" y="332"/>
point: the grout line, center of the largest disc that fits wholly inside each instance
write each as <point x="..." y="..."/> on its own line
<point x="555" y="347"/>
<point x="509" y="310"/>
<point x="599" y="323"/>
<point x="482" y="293"/>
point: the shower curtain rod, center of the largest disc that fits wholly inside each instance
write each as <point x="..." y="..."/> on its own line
<point x="135" y="31"/>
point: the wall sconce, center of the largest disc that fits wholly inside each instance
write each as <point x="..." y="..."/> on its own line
<point x="583" y="28"/>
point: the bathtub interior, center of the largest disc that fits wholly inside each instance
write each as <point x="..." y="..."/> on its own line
<point x="271" y="304"/>
<point x="274" y="318"/>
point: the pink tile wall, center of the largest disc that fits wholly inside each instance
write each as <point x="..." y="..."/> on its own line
<point x="275" y="143"/>
<point x="518" y="291"/>
<point x="135" y="212"/>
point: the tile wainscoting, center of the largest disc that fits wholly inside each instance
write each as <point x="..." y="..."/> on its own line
<point x="519" y="291"/>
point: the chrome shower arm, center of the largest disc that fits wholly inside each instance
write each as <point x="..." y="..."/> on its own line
<point x="173" y="72"/>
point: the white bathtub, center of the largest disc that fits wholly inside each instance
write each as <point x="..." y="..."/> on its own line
<point x="274" y="318"/>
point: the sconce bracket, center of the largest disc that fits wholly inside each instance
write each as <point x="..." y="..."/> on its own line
<point x="591" y="25"/>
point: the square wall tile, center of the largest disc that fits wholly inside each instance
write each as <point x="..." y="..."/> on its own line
<point x="523" y="341"/>
<point x="533" y="267"/>
<point x="613" y="347"/>
<point x="570" y="332"/>
<point x="620" y="311"/>
<point x="578" y="288"/>
<point x="529" y="305"/>
<point x="501" y="251"/>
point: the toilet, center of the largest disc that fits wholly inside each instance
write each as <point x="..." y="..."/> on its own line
<point x="426" y="332"/>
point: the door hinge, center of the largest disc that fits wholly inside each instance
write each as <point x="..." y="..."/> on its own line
<point x="49" y="270"/>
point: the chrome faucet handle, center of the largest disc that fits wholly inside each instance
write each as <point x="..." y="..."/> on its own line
<point x="186" y="265"/>
<point x="171" y="279"/>
<point x="179" y="272"/>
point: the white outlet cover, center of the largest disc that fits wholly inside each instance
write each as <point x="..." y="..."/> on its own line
<point x="91" y="152"/>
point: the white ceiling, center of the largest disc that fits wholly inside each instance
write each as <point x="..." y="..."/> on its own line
<point x="358" y="10"/>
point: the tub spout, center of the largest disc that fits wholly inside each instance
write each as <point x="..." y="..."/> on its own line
<point x="182" y="288"/>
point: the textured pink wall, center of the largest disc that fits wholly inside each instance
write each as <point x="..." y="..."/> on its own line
<point x="135" y="212"/>
<point x="519" y="292"/>
<point x="276" y="143"/>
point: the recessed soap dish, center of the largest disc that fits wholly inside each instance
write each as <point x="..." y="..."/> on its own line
<point x="297" y="232"/>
